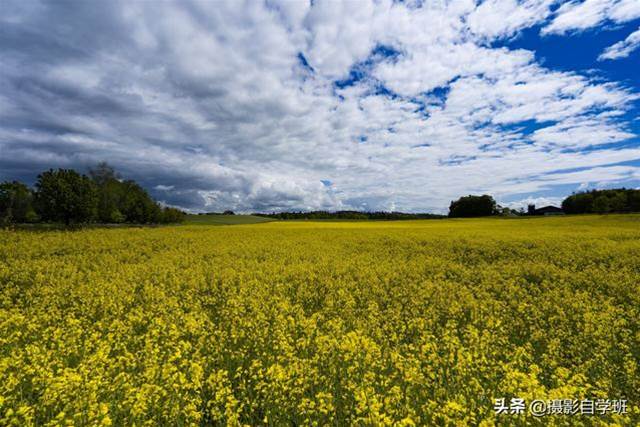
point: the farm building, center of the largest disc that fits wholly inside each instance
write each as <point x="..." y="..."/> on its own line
<point x="546" y="210"/>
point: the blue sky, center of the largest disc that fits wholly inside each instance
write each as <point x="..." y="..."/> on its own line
<point x="287" y="105"/>
<point x="578" y="52"/>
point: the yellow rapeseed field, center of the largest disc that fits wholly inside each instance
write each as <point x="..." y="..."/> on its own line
<point x="308" y="323"/>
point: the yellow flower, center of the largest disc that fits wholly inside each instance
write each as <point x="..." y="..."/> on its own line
<point x="370" y="323"/>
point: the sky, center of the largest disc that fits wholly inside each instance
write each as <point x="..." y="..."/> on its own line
<point x="265" y="106"/>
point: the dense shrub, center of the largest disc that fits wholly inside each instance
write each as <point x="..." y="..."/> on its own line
<point x="16" y="203"/>
<point x="172" y="215"/>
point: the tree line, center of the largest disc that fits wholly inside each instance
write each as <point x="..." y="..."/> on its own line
<point x="618" y="200"/>
<point x="352" y="215"/>
<point x="603" y="201"/>
<point x="66" y="196"/>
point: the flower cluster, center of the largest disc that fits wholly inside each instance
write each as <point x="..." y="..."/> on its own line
<point x="366" y="323"/>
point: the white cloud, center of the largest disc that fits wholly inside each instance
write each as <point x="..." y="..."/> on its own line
<point x="581" y="15"/>
<point x="504" y="18"/>
<point x="624" y="11"/>
<point x="623" y="48"/>
<point x="213" y="107"/>
<point x="164" y="187"/>
<point x="574" y="134"/>
<point x="538" y="202"/>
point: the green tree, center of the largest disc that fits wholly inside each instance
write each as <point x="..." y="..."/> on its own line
<point x="602" y="201"/>
<point x="601" y="204"/>
<point x="137" y="206"/>
<point x="110" y="193"/>
<point x="172" y="215"/>
<point x="633" y="200"/>
<point x="16" y="203"/>
<point x="618" y="202"/>
<point x="578" y="203"/>
<point x="67" y="196"/>
<point x="473" y="206"/>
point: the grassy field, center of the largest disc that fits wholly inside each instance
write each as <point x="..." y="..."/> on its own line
<point x="303" y="323"/>
<point x="224" y="219"/>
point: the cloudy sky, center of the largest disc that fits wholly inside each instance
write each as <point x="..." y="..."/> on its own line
<point x="280" y="105"/>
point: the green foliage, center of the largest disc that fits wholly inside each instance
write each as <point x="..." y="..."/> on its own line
<point x="633" y="200"/>
<point x="110" y="193"/>
<point x="172" y="216"/>
<point x="16" y="203"/>
<point x="137" y="206"/>
<point x="603" y="201"/>
<point x="115" y="217"/>
<point x="473" y="206"/>
<point x="601" y="204"/>
<point x="126" y="201"/>
<point x="31" y="216"/>
<point x="123" y="201"/>
<point x="64" y="195"/>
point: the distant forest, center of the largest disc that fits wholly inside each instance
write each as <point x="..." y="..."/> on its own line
<point x="594" y="201"/>
<point x="354" y="215"/>
<point x="66" y="196"/>
<point x="603" y="201"/>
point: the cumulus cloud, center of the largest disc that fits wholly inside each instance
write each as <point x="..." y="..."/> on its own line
<point x="280" y="105"/>
<point x="623" y="48"/>
<point x="536" y="201"/>
<point x="504" y="18"/>
<point x="581" y="15"/>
